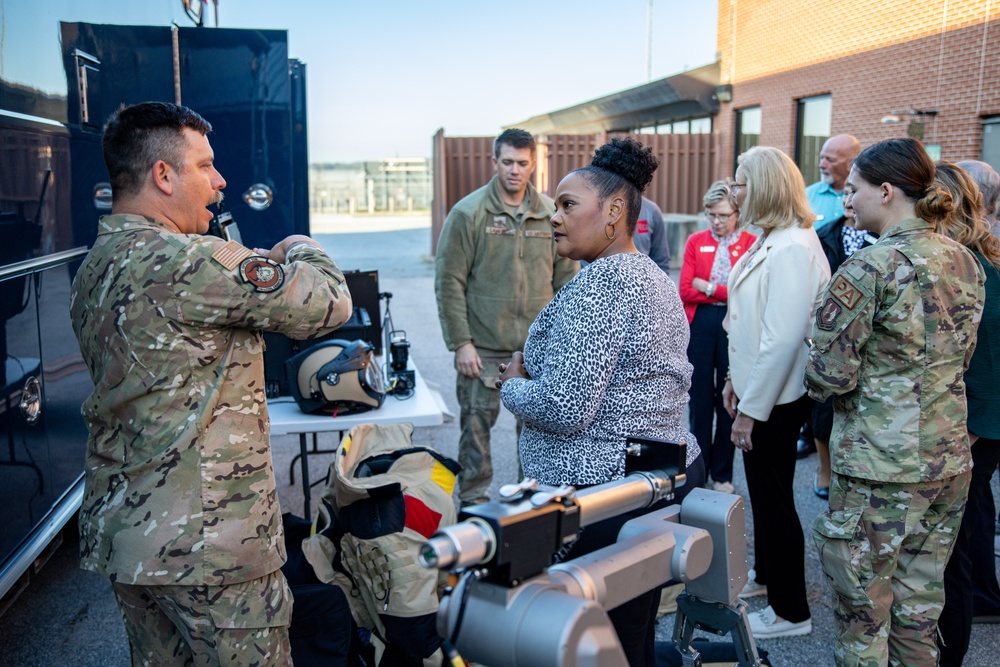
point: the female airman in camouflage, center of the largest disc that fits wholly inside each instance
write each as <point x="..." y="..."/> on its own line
<point x="892" y="338"/>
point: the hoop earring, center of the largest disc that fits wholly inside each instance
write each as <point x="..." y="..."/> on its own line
<point x="614" y="232"/>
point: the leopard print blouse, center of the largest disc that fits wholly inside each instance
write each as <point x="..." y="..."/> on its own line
<point x="608" y="359"/>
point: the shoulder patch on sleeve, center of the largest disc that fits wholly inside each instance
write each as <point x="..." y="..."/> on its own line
<point x="231" y="254"/>
<point x="264" y="274"/>
<point x="845" y="291"/>
<point x="828" y="314"/>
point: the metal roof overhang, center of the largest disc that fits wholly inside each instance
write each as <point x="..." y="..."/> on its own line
<point x="684" y="95"/>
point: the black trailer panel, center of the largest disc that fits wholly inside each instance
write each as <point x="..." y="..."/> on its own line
<point x="54" y="187"/>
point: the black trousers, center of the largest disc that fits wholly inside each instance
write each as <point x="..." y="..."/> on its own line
<point x="708" y="352"/>
<point x="970" y="580"/>
<point x="779" y="545"/>
<point x="635" y="620"/>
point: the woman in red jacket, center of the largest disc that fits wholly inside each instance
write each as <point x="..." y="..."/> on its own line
<point x="708" y="258"/>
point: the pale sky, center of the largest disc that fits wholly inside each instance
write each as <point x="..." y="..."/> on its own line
<point x="384" y="75"/>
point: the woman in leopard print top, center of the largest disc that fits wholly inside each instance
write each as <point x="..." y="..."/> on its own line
<point x="605" y="360"/>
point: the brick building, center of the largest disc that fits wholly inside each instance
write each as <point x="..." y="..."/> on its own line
<point x="797" y="72"/>
<point x="791" y="74"/>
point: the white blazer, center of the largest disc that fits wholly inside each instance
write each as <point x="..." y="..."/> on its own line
<point x="773" y="297"/>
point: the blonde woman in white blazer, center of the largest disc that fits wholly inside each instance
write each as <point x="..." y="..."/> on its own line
<point x="774" y="290"/>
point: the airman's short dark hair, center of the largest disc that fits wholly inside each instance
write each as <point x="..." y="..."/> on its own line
<point x="136" y="136"/>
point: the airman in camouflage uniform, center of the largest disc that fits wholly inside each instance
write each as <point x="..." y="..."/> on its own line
<point x="892" y="337"/>
<point x="496" y="268"/>
<point x="180" y="508"/>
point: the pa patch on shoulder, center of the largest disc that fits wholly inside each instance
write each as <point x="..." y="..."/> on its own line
<point x="264" y="274"/>
<point x="846" y="292"/>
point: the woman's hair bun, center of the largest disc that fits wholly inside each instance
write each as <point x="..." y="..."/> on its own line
<point x="935" y="204"/>
<point x="627" y="158"/>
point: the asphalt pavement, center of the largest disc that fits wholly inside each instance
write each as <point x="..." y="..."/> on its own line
<point x="68" y="616"/>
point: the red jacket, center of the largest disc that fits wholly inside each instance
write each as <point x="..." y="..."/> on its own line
<point x="699" y="254"/>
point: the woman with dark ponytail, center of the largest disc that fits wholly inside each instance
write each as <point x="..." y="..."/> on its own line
<point x="605" y="360"/>
<point x="970" y="580"/>
<point x="892" y="338"/>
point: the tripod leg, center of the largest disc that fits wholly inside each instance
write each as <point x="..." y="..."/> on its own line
<point x="683" y="632"/>
<point x="746" y="647"/>
<point x="718" y="618"/>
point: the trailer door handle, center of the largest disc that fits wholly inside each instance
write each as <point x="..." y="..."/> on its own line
<point x="31" y="401"/>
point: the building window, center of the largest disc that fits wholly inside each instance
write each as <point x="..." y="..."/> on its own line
<point x="813" y="129"/>
<point x="991" y="142"/>
<point x="702" y="125"/>
<point x="747" y="129"/>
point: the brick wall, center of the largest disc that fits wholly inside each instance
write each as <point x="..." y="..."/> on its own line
<point x="872" y="57"/>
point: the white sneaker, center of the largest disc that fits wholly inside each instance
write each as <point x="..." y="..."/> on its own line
<point x="724" y="487"/>
<point x="752" y="589"/>
<point x="765" y="623"/>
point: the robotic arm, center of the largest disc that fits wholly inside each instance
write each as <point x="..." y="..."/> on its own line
<point x="511" y="608"/>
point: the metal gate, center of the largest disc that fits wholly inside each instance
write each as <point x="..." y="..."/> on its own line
<point x="688" y="164"/>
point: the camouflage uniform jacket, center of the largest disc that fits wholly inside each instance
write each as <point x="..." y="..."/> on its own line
<point x="892" y="338"/>
<point x="179" y="482"/>
<point x="494" y="272"/>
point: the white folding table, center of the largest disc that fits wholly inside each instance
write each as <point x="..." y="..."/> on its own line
<point x="420" y="409"/>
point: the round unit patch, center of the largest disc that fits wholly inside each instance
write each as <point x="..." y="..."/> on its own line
<point x="264" y="274"/>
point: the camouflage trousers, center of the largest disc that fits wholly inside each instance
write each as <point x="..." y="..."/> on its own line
<point x="240" y="625"/>
<point x="884" y="547"/>
<point x="479" y="405"/>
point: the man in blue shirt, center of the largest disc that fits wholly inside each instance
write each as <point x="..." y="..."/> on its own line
<point x="826" y="195"/>
<point x="826" y="198"/>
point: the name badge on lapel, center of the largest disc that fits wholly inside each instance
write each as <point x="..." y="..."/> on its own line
<point x="499" y="226"/>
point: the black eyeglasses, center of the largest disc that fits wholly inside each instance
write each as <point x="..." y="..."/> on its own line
<point x="733" y="187"/>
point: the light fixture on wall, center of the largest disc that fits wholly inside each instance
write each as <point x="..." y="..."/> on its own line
<point x="916" y="126"/>
<point x="724" y="93"/>
<point x="899" y="116"/>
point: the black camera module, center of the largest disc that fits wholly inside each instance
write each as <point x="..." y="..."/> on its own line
<point x="399" y="351"/>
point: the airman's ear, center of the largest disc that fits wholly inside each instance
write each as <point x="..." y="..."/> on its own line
<point x="887" y="192"/>
<point x="163" y="177"/>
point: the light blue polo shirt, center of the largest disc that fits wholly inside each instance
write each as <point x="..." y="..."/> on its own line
<point x="825" y="202"/>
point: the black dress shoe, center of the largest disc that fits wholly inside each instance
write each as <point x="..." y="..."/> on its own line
<point x="804" y="448"/>
<point x="821" y="491"/>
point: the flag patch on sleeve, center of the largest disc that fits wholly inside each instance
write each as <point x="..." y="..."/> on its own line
<point x="231" y="254"/>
